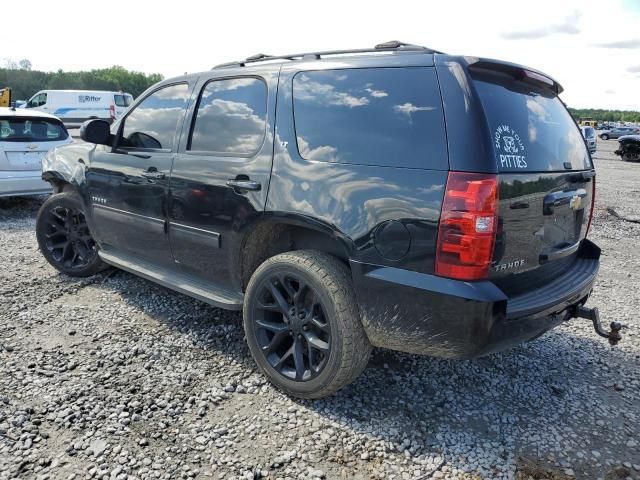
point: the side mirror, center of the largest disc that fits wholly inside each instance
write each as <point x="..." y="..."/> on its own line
<point x="96" y="131"/>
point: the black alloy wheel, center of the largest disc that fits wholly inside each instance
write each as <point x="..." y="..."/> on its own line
<point x="291" y="327"/>
<point x="302" y="323"/>
<point x="64" y="237"/>
<point x="67" y="238"/>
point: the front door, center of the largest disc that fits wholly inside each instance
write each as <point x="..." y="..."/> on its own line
<point x="128" y="183"/>
<point x="221" y="174"/>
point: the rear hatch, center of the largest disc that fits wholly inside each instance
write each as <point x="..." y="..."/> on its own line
<point x="25" y="140"/>
<point x="545" y="175"/>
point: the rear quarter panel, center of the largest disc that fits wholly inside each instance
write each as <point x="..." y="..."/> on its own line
<point x="355" y="202"/>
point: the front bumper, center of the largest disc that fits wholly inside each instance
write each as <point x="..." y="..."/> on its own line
<point x="14" y="183"/>
<point x="420" y="313"/>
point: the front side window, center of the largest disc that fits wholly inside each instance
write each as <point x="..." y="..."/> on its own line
<point x="371" y="116"/>
<point x="231" y="117"/>
<point x="153" y="123"/>
<point x="14" y="129"/>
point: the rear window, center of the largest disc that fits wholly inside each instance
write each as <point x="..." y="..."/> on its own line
<point x="14" y="129"/>
<point x="531" y="129"/>
<point x="370" y="116"/>
<point x="123" y="100"/>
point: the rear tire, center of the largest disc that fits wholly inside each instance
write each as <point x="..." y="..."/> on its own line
<point x="302" y="324"/>
<point x="64" y="237"/>
<point x="604" y="136"/>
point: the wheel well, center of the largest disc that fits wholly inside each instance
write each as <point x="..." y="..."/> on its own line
<point x="60" y="185"/>
<point x="270" y="239"/>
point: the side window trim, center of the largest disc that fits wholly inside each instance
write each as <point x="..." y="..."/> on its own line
<point x="194" y="115"/>
<point x="118" y="136"/>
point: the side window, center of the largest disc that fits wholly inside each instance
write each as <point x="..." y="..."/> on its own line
<point x="371" y="116"/>
<point x="153" y="123"/>
<point x="119" y="100"/>
<point x="40" y="99"/>
<point x="231" y="117"/>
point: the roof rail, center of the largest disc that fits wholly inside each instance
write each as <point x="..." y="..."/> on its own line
<point x="391" y="46"/>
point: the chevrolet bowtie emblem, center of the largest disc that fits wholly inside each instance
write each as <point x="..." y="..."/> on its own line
<point x="32" y="146"/>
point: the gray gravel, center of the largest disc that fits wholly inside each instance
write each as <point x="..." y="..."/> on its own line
<point x="113" y="377"/>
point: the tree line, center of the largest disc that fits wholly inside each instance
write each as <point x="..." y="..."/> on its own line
<point x="25" y="82"/>
<point x="602" y="115"/>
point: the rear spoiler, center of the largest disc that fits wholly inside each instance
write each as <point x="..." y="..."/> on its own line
<point x="518" y="72"/>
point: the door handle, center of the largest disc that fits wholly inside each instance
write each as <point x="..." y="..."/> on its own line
<point x="244" y="184"/>
<point x="153" y="174"/>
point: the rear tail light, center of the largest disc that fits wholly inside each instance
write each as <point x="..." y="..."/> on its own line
<point x="112" y="112"/>
<point x="468" y="224"/>
<point x="593" y="204"/>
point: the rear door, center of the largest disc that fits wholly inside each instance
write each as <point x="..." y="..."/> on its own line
<point x="220" y="176"/>
<point x="546" y="180"/>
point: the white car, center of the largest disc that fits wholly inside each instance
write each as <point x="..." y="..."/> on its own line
<point x="74" y="107"/>
<point x="25" y="137"/>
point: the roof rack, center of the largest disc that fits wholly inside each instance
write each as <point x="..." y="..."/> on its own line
<point x="391" y="46"/>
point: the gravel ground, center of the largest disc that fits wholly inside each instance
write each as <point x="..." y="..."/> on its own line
<point x="113" y="377"/>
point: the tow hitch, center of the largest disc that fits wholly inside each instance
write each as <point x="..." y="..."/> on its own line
<point x="592" y="314"/>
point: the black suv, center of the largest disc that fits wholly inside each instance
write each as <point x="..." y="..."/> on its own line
<point x="396" y="197"/>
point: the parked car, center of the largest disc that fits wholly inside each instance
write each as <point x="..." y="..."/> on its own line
<point x="341" y="203"/>
<point x="75" y="106"/>
<point x="629" y="149"/>
<point x="619" y="132"/>
<point x="25" y="136"/>
<point x="589" y="135"/>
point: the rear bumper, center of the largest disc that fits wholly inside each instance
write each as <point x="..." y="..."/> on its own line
<point x="420" y="313"/>
<point x="14" y="183"/>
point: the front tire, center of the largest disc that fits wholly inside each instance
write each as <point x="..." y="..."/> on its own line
<point x="604" y="136"/>
<point x="64" y="237"/>
<point x="302" y="324"/>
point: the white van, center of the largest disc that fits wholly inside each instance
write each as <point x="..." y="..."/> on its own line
<point x="75" y="106"/>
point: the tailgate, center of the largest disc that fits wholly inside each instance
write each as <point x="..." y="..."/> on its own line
<point x="22" y="160"/>
<point x="543" y="217"/>
<point x="546" y="181"/>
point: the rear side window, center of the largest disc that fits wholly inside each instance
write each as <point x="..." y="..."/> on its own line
<point x="371" y="116"/>
<point x="153" y="122"/>
<point x="231" y="117"/>
<point x="531" y="129"/>
<point x="14" y="129"/>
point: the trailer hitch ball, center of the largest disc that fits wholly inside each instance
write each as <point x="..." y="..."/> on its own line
<point x="613" y="335"/>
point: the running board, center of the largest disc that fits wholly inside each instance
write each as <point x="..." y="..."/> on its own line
<point x="178" y="281"/>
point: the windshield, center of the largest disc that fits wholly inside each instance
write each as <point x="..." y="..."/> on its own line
<point x="531" y="129"/>
<point x="13" y="129"/>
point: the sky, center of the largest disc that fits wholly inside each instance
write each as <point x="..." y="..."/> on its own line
<point x="591" y="47"/>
